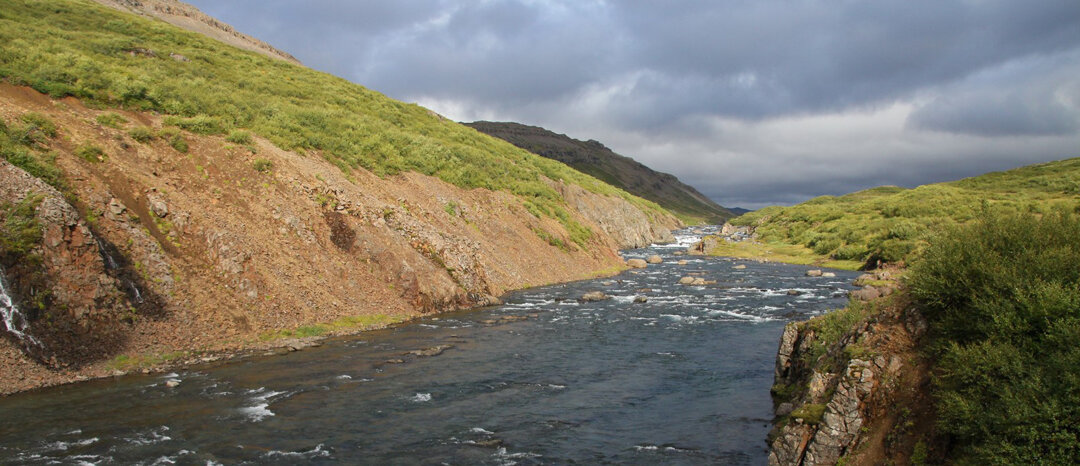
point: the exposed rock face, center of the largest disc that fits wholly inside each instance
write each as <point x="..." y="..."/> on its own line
<point x="81" y="304"/>
<point x="628" y="225"/>
<point x="827" y="416"/>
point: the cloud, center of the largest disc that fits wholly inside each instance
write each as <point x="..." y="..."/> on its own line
<point x="753" y="102"/>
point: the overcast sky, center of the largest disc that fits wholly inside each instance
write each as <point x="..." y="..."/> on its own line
<point x="753" y="102"/>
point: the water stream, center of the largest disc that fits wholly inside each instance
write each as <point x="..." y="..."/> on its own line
<point x="14" y="321"/>
<point x="543" y="379"/>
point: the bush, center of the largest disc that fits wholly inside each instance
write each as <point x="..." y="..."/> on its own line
<point x="91" y="153"/>
<point x="142" y="134"/>
<point x="239" y="137"/>
<point x="262" y="165"/>
<point x="1003" y="299"/>
<point x="111" y="120"/>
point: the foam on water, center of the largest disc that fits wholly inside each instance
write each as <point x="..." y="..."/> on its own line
<point x="421" y="398"/>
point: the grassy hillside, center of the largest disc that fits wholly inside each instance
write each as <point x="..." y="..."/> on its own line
<point x="624" y="172"/>
<point x="892" y="224"/>
<point x="111" y="59"/>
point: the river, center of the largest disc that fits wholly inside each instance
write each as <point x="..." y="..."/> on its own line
<point x="543" y="379"/>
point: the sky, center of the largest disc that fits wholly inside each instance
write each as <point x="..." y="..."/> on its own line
<point x="752" y="102"/>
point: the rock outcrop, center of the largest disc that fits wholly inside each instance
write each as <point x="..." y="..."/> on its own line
<point x="837" y="399"/>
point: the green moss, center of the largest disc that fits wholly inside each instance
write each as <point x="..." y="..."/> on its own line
<point x="810" y="413"/>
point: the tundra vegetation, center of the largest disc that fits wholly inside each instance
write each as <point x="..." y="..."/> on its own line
<point x="113" y="60"/>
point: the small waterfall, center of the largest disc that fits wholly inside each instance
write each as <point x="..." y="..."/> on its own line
<point x="113" y="267"/>
<point x="14" y="321"/>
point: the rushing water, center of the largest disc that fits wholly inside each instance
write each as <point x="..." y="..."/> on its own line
<point x="14" y="321"/>
<point x="542" y="379"/>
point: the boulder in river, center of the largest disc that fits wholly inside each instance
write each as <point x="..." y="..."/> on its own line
<point x="636" y="263"/>
<point x="641" y="299"/>
<point x="654" y="259"/>
<point x="594" y="296"/>
<point x="813" y="273"/>
<point x="740" y="267"/>
<point x="686" y="280"/>
<point x="683" y="262"/>
<point x="828" y="275"/>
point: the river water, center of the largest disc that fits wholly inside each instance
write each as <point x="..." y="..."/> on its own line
<point x="543" y="379"/>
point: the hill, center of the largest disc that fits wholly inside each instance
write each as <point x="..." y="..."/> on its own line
<point x="166" y="197"/>
<point x="891" y="224"/>
<point x="624" y="172"/>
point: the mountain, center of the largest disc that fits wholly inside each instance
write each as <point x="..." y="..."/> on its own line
<point x="593" y="158"/>
<point x="168" y="197"/>
<point x="892" y="224"/>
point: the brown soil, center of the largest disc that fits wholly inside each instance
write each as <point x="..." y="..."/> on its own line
<point x="237" y="253"/>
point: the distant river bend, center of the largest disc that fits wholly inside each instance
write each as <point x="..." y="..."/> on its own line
<point x="543" y="379"/>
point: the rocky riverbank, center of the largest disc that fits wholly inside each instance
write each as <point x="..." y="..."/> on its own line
<point x="152" y="254"/>
<point x="851" y="385"/>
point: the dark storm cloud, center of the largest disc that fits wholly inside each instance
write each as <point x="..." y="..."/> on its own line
<point x="724" y="93"/>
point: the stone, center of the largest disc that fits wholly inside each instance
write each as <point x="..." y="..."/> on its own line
<point x="116" y="207"/>
<point x="641" y="299"/>
<point x="813" y="273"/>
<point x="636" y="263"/>
<point x="699" y="282"/>
<point x="867" y="293"/>
<point x="654" y="259"/>
<point x="740" y="267"/>
<point x="594" y="296"/>
<point x="429" y="352"/>
<point x="686" y="280"/>
<point x="678" y="253"/>
<point x="828" y="275"/>
<point x="683" y="262"/>
<point x="172" y="383"/>
<point x="158" y="206"/>
<point x="794" y="292"/>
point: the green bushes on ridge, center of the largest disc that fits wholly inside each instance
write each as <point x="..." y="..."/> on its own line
<point x="1002" y="296"/>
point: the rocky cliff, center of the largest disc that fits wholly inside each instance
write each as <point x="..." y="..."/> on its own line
<point x="155" y="253"/>
<point x="851" y="386"/>
<point x="593" y="158"/>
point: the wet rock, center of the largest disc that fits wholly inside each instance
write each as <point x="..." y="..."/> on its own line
<point x="636" y="263"/>
<point x="641" y="299"/>
<point x="654" y="259"/>
<point x="686" y="280"/>
<point x="429" y="352"/>
<point x="794" y="292"/>
<point x="813" y="273"/>
<point x="594" y="296"/>
<point x="644" y="290"/>
<point x="172" y="383"/>
<point x="683" y="262"/>
<point x="678" y="253"/>
<point x="739" y="267"/>
<point x="700" y="282"/>
<point x="828" y="275"/>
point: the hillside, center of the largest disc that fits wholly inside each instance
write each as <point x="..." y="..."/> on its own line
<point x="624" y="172"/>
<point x="166" y="197"/>
<point x="891" y="224"/>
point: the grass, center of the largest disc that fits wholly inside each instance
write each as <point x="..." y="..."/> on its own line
<point x="778" y="252"/>
<point x="262" y="165"/>
<point x="344" y="324"/>
<point x="892" y="224"/>
<point x="110" y="119"/>
<point x="127" y="363"/>
<point x="77" y="48"/>
<point x="810" y="413"/>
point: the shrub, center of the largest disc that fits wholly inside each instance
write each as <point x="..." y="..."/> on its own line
<point x="1003" y="299"/>
<point x="200" y="124"/>
<point x="262" y="165"/>
<point x="142" y="134"/>
<point x="851" y="252"/>
<point x="91" y="153"/>
<point x="239" y="137"/>
<point x="20" y="230"/>
<point x="111" y="120"/>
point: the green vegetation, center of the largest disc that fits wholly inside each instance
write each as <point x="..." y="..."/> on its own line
<point x="20" y="230"/>
<point x="142" y="134"/>
<point x="344" y="324"/>
<point x="23" y="144"/>
<point x="810" y="413"/>
<point x="893" y="224"/>
<point x="831" y="327"/>
<point x="124" y="362"/>
<point x="239" y="136"/>
<point x="111" y="120"/>
<point x="91" y="153"/>
<point x="1003" y="299"/>
<point x="78" y="48"/>
<point x="262" y="165"/>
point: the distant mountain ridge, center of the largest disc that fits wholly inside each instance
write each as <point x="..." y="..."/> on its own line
<point x="595" y="159"/>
